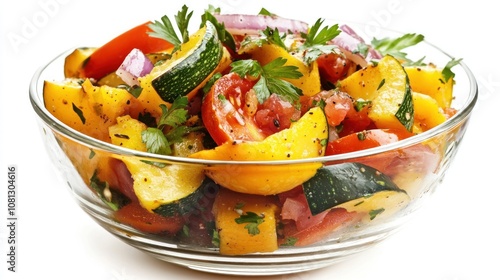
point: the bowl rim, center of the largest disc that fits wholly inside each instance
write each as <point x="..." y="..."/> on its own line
<point x="36" y="100"/>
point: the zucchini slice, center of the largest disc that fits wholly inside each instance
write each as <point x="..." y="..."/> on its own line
<point x="386" y="84"/>
<point x="355" y="187"/>
<point x="155" y="186"/>
<point x="188" y="67"/>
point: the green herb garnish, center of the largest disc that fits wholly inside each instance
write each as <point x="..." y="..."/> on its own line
<point x="290" y="241"/>
<point x="135" y="90"/>
<point x="359" y="104"/>
<point x="446" y="72"/>
<point x="381" y="84"/>
<point x="224" y="36"/>
<point x="172" y="121"/>
<point x="265" y="12"/>
<point x="316" y="41"/>
<point x="394" y="46"/>
<point x="79" y="112"/>
<point x="266" y="36"/>
<point x="252" y="220"/>
<point x="165" y="30"/>
<point x="375" y="212"/>
<point x="270" y="77"/>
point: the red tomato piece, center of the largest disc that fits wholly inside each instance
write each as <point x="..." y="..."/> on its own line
<point x="110" y="56"/>
<point x="275" y="115"/>
<point x="334" y="220"/>
<point x="365" y="140"/>
<point x="333" y="67"/>
<point x="141" y="219"/>
<point x="228" y="110"/>
<point x="356" y="121"/>
<point x="339" y="110"/>
<point x="370" y="139"/>
<point x="296" y="208"/>
<point x="418" y="158"/>
<point x="125" y="183"/>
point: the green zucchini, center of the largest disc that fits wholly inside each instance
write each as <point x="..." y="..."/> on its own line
<point x="190" y="202"/>
<point x="190" y="66"/>
<point x="355" y="187"/>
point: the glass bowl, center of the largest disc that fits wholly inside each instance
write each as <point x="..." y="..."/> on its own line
<point x="78" y="156"/>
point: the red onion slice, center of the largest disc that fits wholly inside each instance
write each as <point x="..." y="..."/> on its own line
<point x="240" y="24"/>
<point x="348" y="41"/>
<point x="135" y="65"/>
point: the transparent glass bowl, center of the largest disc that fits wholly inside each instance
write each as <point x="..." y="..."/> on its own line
<point x="70" y="152"/>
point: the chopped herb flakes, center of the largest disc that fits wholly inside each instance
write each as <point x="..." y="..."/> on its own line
<point x="252" y="220"/>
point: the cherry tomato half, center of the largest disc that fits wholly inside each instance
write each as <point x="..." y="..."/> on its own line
<point x="227" y="110"/>
<point x="231" y="111"/>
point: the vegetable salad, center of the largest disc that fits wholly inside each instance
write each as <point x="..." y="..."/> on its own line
<point x="250" y="88"/>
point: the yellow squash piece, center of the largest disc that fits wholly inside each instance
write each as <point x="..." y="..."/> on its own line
<point x="428" y="114"/>
<point x="153" y="185"/>
<point x="236" y="238"/>
<point x="304" y="139"/>
<point x="386" y="85"/>
<point x="73" y="63"/>
<point x="378" y="206"/>
<point x="429" y="80"/>
<point x="87" y="108"/>
<point x="309" y="83"/>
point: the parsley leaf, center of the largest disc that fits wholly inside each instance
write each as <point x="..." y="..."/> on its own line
<point x="172" y="121"/>
<point x="252" y="220"/>
<point x="446" y="72"/>
<point x="316" y="43"/>
<point x="325" y="35"/>
<point x="273" y="36"/>
<point x="224" y="36"/>
<point x="176" y="115"/>
<point x="182" y="19"/>
<point x="278" y="69"/>
<point x="266" y="36"/>
<point x="271" y="78"/>
<point x="394" y="46"/>
<point x="246" y="67"/>
<point x="155" y="141"/>
<point x="165" y="30"/>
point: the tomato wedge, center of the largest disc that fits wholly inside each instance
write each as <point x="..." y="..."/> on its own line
<point x="228" y="110"/>
<point x="365" y="140"/>
<point x="109" y="57"/>
<point x="141" y="219"/>
<point x="370" y="139"/>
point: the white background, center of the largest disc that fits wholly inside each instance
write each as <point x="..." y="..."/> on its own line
<point x="454" y="237"/>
